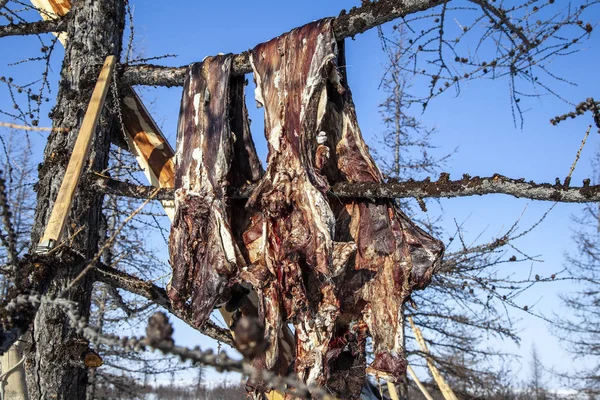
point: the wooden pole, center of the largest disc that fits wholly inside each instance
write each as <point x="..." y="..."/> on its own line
<point x="439" y="379"/>
<point x="64" y="199"/>
<point x="12" y="378"/>
<point x="414" y="377"/>
<point x="149" y="146"/>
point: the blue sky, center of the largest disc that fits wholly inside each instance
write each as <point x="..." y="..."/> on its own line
<point x="478" y="122"/>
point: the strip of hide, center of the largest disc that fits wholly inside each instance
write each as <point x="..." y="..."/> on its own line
<point x="394" y="255"/>
<point x="291" y="240"/>
<point x="203" y="252"/>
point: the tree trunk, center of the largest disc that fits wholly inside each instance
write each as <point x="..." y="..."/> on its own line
<point x="54" y="366"/>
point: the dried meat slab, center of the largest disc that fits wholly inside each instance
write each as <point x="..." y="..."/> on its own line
<point x="203" y="251"/>
<point x="394" y="255"/>
<point x="291" y="240"/>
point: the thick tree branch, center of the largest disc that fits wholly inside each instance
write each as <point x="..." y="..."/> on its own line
<point x="468" y="186"/>
<point x="32" y="28"/>
<point x="347" y="24"/>
<point x="157" y="295"/>
<point x="102" y="184"/>
<point x="443" y="187"/>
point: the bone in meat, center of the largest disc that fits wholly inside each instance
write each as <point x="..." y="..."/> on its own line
<point x="203" y="252"/>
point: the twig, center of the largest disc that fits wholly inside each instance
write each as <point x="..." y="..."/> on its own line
<point x="33" y="128"/>
<point x="568" y="178"/>
<point x="501" y="15"/>
<point x="108" y="243"/>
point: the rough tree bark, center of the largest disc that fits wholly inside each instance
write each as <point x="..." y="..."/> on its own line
<point x="54" y="366"/>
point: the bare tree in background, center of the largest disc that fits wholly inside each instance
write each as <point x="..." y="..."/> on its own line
<point x="516" y="43"/>
<point x="578" y="328"/>
<point x="468" y="299"/>
<point x="18" y="175"/>
<point x="536" y="380"/>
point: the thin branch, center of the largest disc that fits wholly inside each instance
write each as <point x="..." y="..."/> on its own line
<point x="442" y="188"/>
<point x="109" y="242"/>
<point x="11" y="239"/>
<point x="33" y="128"/>
<point x="34" y="28"/>
<point x="501" y="15"/>
<point x="357" y="20"/>
<point x="158" y="295"/>
<point x="578" y="155"/>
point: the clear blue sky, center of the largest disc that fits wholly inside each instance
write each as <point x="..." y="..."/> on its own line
<point x="478" y="122"/>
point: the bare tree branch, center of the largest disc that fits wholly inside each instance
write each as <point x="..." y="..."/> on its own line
<point x="443" y="187"/>
<point x="357" y="20"/>
<point x="33" y="28"/>
<point x="157" y="295"/>
<point x="468" y="186"/>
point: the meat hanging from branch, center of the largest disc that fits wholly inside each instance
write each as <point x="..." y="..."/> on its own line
<point x="394" y="255"/>
<point x="291" y="239"/>
<point x="203" y="253"/>
<point x="339" y="270"/>
<point x="215" y="149"/>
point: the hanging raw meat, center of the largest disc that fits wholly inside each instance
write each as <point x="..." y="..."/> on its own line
<point x="394" y="255"/>
<point x="291" y="240"/>
<point x="246" y="168"/>
<point x="215" y="150"/>
<point x="203" y="252"/>
<point x="339" y="270"/>
<point x="305" y="263"/>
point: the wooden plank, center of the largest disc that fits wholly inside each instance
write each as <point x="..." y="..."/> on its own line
<point x="148" y="144"/>
<point x="423" y="389"/>
<point x="437" y="376"/>
<point x="51" y="9"/>
<point x="12" y="377"/>
<point x="64" y="199"/>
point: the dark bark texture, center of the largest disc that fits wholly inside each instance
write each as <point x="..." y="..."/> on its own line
<point x="54" y="366"/>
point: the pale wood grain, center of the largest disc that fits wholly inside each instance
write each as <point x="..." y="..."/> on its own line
<point x="64" y="199"/>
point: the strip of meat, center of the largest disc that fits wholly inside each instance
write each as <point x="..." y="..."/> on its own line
<point x="203" y="252"/>
<point x="394" y="256"/>
<point x="339" y="272"/>
<point x="291" y="241"/>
